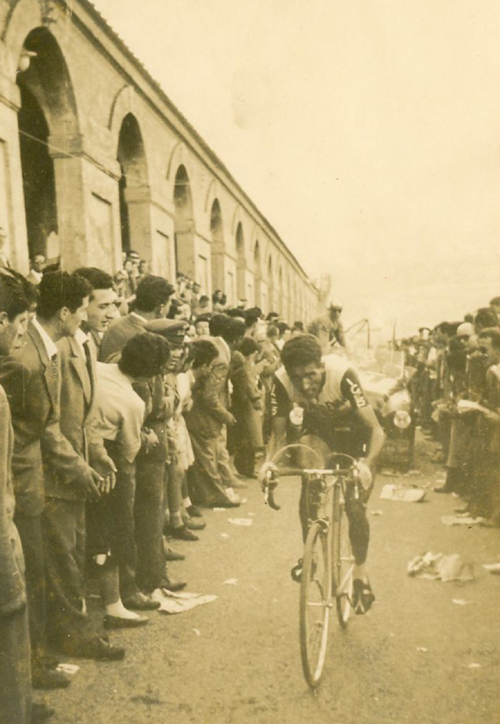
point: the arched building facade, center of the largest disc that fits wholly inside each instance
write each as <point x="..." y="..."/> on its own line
<point x="96" y="160"/>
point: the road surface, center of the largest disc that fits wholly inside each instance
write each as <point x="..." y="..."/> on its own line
<point x="418" y="657"/>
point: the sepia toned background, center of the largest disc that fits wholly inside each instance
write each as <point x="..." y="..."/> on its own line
<point x="367" y="131"/>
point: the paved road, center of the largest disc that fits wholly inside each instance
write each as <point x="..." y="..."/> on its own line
<point x="236" y="660"/>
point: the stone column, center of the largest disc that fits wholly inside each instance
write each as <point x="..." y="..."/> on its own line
<point x="12" y="210"/>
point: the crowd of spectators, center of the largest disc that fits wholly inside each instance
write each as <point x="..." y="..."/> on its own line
<point x="129" y="404"/>
<point x="456" y="392"/>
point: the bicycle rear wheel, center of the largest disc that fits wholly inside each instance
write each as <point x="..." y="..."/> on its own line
<point x="343" y="562"/>
<point x="315" y="600"/>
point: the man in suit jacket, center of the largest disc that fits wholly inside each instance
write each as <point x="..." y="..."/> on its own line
<point x="15" y="675"/>
<point x="63" y="516"/>
<point x="153" y="299"/>
<point x="103" y="305"/>
<point x="31" y="379"/>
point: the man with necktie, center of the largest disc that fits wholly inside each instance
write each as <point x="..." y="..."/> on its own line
<point x="31" y="379"/>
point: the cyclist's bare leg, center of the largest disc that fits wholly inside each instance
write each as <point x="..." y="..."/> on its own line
<point x="359" y="534"/>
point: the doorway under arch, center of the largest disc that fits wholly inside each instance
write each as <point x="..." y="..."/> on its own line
<point x="257" y="275"/>
<point x="133" y="180"/>
<point x="48" y="135"/>
<point x="270" y="286"/>
<point x="183" y="224"/>
<point x="241" y="287"/>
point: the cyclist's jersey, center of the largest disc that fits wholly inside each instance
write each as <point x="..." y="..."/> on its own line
<point x="331" y="418"/>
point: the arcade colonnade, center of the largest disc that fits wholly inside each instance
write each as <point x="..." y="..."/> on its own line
<point x="95" y="160"/>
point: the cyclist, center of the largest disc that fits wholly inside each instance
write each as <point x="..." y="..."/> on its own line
<point x="323" y="397"/>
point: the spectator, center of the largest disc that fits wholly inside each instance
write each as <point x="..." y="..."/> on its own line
<point x="120" y="414"/>
<point x="32" y="380"/>
<point x="36" y="270"/>
<point x="246" y="408"/>
<point x="15" y="676"/>
<point x="102" y="309"/>
<point x="201" y="325"/>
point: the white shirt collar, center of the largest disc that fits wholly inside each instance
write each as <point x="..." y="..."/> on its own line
<point x="48" y="343"/>
<point x="138" y="316"/>
<point x="81" y="338"/>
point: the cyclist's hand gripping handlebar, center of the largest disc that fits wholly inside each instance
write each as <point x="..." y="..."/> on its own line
<point x="268" y="476"/>
<point x="271" y="483"/>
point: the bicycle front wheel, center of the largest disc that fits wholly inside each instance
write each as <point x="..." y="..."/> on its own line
<point x="315" y="598"/>
<point x="343" y="563"/>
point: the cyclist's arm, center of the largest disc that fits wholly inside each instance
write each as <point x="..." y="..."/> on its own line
<point x="278" y="436"/>
<point x="367" y="417"/>
<point x="354" y="393"/>
<point x="280" y="408"/>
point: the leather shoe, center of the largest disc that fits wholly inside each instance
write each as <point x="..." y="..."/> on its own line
<point x="194" y="512"/>
<point x="96" y="647"/>
<point x="172" y="585"/>
<point x="183" y="533"/>
<point x="223" y="503"/>
<point x="171" y="555"/>
<point x="193" y="524"/>
<point x="45" y="678"/>
<point x="40" y="713"/>
<point x="140" y="602"/>
<point x="120" y="622"/>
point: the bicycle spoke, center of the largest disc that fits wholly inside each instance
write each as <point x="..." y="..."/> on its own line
<point x="315" y="605"/>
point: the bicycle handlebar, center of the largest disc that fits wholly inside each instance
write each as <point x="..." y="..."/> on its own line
<point x="271" y="481"/>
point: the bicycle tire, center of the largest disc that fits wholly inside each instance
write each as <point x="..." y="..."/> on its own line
<point x="315" y="603"/>
<point x="343" y="562"/>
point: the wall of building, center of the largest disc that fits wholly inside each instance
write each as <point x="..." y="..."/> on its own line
<point x="127" y="169"/>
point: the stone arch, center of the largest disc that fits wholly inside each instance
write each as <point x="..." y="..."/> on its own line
<point x="179" y="156"/>
<point x="241" y="264"/>
<point x="270" y="284"/>
<point x="281" y="294"/>
<point x="217" y="247"/>
<point x="213" y="192"/>
<point x="50" y="147"/>
<point x="184" y="223"/>
<point x="257" y="274"/>
<point x="133" y="187"/>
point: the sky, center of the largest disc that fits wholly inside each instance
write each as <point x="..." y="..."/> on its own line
<point x="366" y="131"/>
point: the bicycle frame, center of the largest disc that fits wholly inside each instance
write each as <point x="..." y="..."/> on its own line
<point x="328" y="563"/>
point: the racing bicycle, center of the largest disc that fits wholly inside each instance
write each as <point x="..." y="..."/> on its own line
<point x="326" y="580"/>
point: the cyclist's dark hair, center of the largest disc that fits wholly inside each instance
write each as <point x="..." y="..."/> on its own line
<point x="273" y="331"/>
<point x="201" y="352"/>
<point x="152" y="292"/>
<point x="249" y="346"/>
<point x="303" y="349"/>
<point x="13" y="298"/>
<point x="492" y="333"/>
<point x="60" y="289"/>
<point x="145" y="355"/>
<point x="97" y="278"/>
